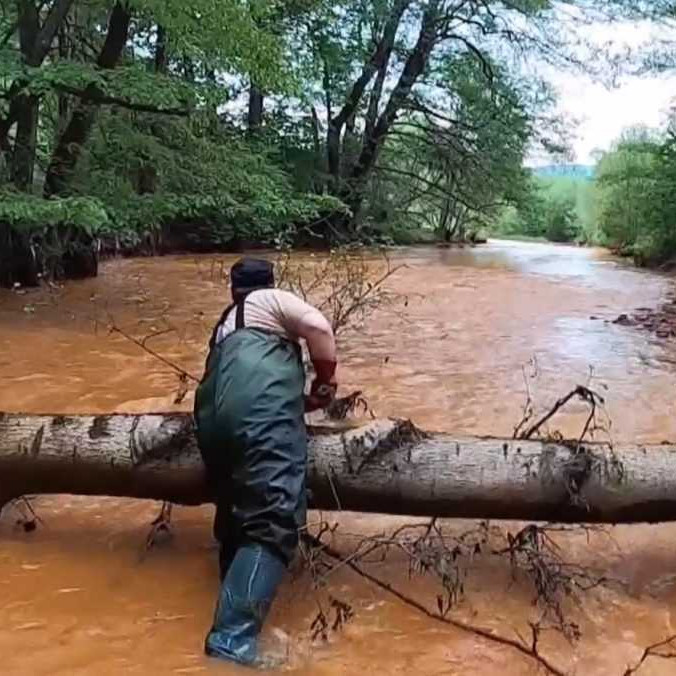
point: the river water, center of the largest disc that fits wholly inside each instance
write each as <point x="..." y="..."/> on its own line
<point x="80" y="595"/>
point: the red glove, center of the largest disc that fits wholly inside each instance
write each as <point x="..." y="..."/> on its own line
<point x="324" y="386"/>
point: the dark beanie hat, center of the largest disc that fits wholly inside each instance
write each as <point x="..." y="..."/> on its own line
<point x="249" y="274"/>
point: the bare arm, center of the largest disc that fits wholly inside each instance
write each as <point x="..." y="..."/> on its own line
<point x="315" y="329"/>
<point x="304" y="321"/>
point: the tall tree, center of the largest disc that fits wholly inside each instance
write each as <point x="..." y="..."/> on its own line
<point x="76" y="133"/>
<point x="36" y="35"/>
<point x="373" y="60"/>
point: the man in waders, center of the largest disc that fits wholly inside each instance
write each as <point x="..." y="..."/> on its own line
<point x="249" y="411"/>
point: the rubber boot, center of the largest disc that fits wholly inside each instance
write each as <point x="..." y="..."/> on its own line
<point x="243" y="604"/>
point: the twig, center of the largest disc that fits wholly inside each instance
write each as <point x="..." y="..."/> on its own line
<point x="160" y="528"/>
<point x="156" y="334"/>
<point x="580" y="391"/>
<point x="528" y="651"/>
<point x="333" y="488"/>
<point x="27" y="521"/>
<point x="528" y="409"/>
<point x="345" y="282"/>
<point x="141" y="344"/>
<point x="653" y="651"/>
<point x="534" y="551"/>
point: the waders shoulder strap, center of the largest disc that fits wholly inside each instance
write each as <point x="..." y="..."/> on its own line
<point x="239" y="317"/>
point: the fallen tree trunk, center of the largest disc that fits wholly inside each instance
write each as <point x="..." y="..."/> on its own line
<point x="386" y="466"/>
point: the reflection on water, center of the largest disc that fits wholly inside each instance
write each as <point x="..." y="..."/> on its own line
<point x="79" y="596"/>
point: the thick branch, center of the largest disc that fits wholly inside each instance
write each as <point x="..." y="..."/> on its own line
<point x="415" y="65"/>
<point x="379" y="58"/>
<point x="50" y="28"/>
<point x="97" y="97"/>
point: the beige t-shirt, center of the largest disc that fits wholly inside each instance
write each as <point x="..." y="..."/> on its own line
<point x="287" y="315"/>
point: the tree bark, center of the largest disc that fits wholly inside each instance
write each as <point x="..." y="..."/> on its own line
<point x="161" y="50"/>
<point x="25" y="107"/>
<point x="35" y="42"/>
<point x="351" y="145"/>
<point x="319" y="169"/>
<point x="44" y="38"/>
<point x="25" y="143"/>
<point x="385" y="467"/>
<point x="63" y="107"/>
<point x="255" y="111"/>
<point x="68" y="150"/>
<point x="380" y="56"/>
<point x="374" y="100"/>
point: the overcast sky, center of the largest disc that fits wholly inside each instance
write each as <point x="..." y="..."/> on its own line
<point x="604" y="113"/>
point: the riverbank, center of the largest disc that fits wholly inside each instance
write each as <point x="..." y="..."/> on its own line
<point x="27" y="262"/>
<point x="660" y="321"/>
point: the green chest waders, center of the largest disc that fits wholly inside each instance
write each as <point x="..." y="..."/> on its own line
<point x="251" y="432"/>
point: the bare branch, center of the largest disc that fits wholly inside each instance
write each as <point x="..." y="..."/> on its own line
<point x="142" y="344"/>
<point x="665" y="650"/>
<point x="96" y="96"/>
<point x="530" y="651"/>
<point x="581" y="392"/>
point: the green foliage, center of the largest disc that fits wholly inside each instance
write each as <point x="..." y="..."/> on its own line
<point x="635" y="196"/>
<point x="447" y="161"/>
<point x="31" y="215"/>
<point x="451" y="168"/>
<point x="228" y="35"/>
<point x="142" y="176"/>
<point x="549" y="209"/>
<point x="153" y="172"/>
<point x="217" y="183"/>
<point x="559" y="219"/>
<point x="133" y="84"/>
<point x="630" y="206"/>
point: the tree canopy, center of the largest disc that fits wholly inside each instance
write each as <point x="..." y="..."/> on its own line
<point x="148" y="124"/>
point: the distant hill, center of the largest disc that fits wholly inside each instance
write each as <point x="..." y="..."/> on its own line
<point x="566" y="170"/>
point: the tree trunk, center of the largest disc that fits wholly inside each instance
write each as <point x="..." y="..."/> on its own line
<point x="255" y="112"/>
<point x="374" y="98"/>
<point x="333" y="133"/>
<point x="68" y="150"/>
<point x="25" y="144"/>
<point x="385" y="467"/>
<point x="161" y="50"/>
<point x="379" y="59"/>
<point x="319" y="169"/>
<point x="18" y="261"/>
<point x="25" y="111"/>
<point x="413" y="69"/>
<point x="350" y="145"/>
<point x="35" y="43"/>
<point x="63" y="107"/>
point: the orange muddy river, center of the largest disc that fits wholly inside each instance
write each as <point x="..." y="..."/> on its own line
<point x="81" y="595"/>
